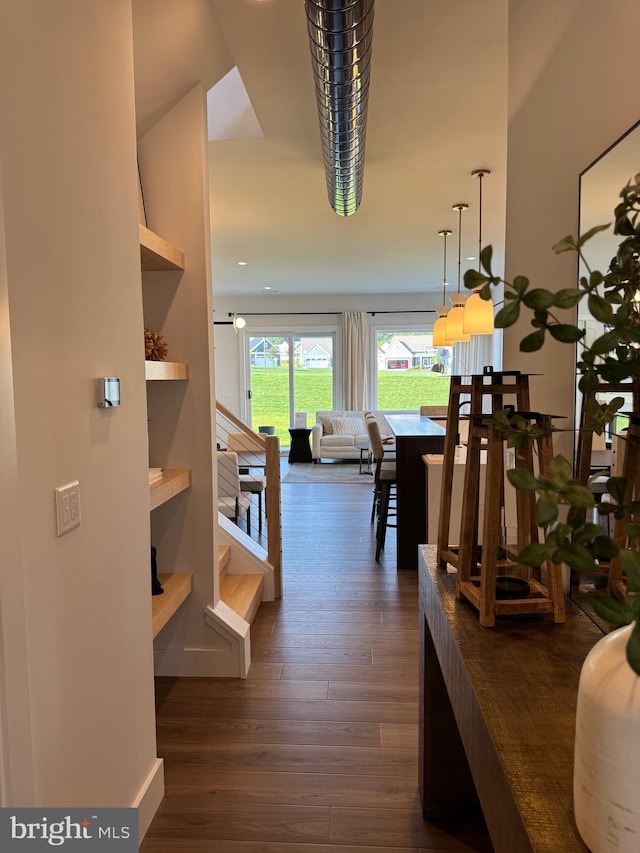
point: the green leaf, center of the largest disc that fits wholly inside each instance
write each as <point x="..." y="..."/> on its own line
<point x="579" y="496"/>
<point x="575" y="517"/>
<point x="630" y="562"/>
<point x="591" y="232"/>
<point x="538" y="299"/>
<point x="532" y="342"/>
<point x="546" y="510"/>
<point x="566" y="333"/>
<point x="600" y="309"/>
<point x="568" y="297"/>
<point x="578" y="558"/>
<point x="522" y="480"/>
<point x="520" y="284"/>
<point x="617" y="487"/>
<point x="606" y="343"/>
<point x="473" y="279"/>
<point x="560" y="469"/>
<point x="605" y="548"/>
<point x="508" y="315"/>
<point x="612" y="611"/>
<point x="567" y="244"/>
<point x="485" y="259"/>
<point x="633" y="649"/>
<point x="534" y="554"/>
<point x="588" y="381"/>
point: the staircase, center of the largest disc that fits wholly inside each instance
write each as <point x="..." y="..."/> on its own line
<point x="241" y="592"/>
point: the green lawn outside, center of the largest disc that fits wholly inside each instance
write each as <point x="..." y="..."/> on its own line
<point x="407" y="389"/>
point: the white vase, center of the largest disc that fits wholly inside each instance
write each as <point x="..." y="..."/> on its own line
<point x="606" y="781"/>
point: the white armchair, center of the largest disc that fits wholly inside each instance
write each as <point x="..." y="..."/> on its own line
<point x="232" y="501"/>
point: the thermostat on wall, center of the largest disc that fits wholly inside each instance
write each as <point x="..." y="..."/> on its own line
<point x="108" y="391"/>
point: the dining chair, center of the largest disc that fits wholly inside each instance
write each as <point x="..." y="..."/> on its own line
<point x="251" y="455"/>
<point x="232" y="501"/>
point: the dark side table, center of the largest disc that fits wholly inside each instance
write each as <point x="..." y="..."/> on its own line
<point x="300" y="450"/>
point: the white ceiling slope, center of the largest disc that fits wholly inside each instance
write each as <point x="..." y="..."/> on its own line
<point x="437" y="110"/>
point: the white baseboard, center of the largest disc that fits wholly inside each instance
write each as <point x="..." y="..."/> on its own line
<point x="149" y="797"/>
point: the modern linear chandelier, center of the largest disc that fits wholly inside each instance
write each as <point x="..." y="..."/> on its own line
<point x="340" y="38"/>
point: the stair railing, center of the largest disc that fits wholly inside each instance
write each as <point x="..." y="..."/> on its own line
<point x="259" y="463"/>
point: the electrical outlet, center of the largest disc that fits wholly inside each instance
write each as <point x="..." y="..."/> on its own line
<point x="67" y="507"/>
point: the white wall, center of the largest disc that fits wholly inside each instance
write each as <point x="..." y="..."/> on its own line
<point x="573" y="72"/>
<point x="72" y="287"/>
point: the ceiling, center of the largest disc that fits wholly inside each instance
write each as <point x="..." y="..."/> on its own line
<point x="437" y="111"/>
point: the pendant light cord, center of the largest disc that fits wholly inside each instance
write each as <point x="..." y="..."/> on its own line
<point x="480" y="177"/>
<point x="480" y="173"/>
<point x="444" y="232"/>
<point x="460" y="208"/>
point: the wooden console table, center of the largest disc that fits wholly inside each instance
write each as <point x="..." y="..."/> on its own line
<point x="497" y="717"/>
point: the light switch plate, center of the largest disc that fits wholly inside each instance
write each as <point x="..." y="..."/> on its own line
<point x="67" y="507"/>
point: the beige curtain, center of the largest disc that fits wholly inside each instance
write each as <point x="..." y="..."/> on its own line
<point x="354" y="360"/>
<point x="472" y="356"/>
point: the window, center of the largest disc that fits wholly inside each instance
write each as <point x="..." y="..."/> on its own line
<point x="410" y="371"/>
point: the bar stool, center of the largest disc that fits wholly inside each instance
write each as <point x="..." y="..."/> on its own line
<point x="384" y="484"/>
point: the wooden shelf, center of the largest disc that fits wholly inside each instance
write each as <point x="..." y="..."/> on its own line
<point x="177" y="587"/>
<point x="156" y="370"/>
<point x="157" y="254"/>
<point x="174" y="481"/>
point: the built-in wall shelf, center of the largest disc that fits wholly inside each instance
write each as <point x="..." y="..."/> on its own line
<point x="177" y="587"/>
<point x="173" y="481"/>
<point x="157" y="370"/>
<point x="157" y="254"/>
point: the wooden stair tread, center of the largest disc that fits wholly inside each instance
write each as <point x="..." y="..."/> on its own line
<point x="242" y="593"/>
<point x="177" y="587"/>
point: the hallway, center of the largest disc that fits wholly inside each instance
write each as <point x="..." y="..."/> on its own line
<point x="316" y="751"/>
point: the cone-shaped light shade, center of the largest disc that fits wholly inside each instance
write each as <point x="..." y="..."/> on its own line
<point x="478" y="316"/>
<point x="439" y="332"/>
<point x="454" y="331"/>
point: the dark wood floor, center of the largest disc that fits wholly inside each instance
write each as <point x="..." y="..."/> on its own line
<point x="316" y="751"/>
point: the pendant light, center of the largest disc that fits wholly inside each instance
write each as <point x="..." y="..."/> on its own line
<point x="455" y="332"/>
<point x="478" y="312"/>
<point x="439" y="327"/>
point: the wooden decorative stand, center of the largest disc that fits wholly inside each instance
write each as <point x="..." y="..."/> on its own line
<point x="480" y="565"/>
<point x="584" y="444"/>
<point x="495" y="385"/>
<point x="628" y="466"/>
<point x="630" y="444"/>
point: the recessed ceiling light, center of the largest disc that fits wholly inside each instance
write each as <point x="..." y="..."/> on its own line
<point x="242" y="263"/>
<point x="267" y="287"/>
<point x="471" y="258"/>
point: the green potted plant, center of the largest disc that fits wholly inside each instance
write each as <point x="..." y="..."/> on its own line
<point x="614" y="356"/>
<point x="606" y="768"/>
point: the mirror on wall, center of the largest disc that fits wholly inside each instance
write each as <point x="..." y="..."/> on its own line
<point x="600" y="185"/>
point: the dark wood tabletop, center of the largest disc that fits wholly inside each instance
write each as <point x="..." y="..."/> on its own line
<point x="497" y="714"/>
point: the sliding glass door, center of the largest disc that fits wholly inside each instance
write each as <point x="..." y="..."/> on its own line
<point x="289" y="375"/>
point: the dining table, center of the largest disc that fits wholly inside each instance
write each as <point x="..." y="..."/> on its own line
<point x="415" y="436"/>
